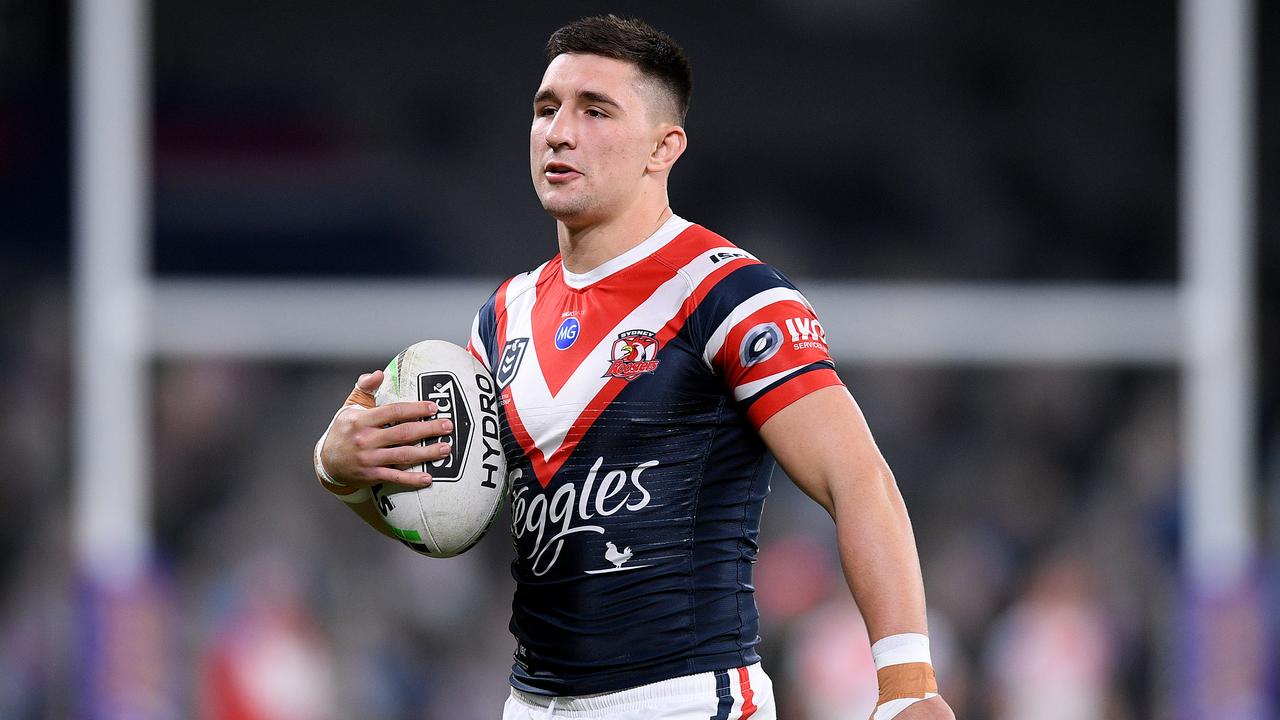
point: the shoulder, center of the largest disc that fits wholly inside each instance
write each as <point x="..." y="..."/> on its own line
<point x="723" y="273"/>
<point x="516" y="286"/>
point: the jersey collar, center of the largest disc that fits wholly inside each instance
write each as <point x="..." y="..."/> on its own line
<point x="655" y="242"/>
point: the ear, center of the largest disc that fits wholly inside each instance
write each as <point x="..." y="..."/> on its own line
<point x="669" y="148"/>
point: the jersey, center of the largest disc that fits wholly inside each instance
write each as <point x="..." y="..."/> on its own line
<point x="630" y="400"/>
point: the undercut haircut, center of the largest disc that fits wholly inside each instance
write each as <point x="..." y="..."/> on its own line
<point x="653" y="52"/>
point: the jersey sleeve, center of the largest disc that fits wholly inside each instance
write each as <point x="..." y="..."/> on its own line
<point x="767" y="343"/>
<point x="484" y="332"/>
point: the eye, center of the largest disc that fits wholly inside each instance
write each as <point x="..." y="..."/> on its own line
<point x="593" y="112"/>
<point x="545" y="111"/>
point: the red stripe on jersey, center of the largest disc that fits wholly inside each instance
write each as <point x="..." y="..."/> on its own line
<point x="611" y="300"/>
<point x="790" y="353"/>
<point x="545" y="468"/>
<point x="694" y="241"/>
<point x="522" y="436"/>
<point x="704" y="288"/>
<point x="476" y="354"/>
<point x="788" y="392"/>
<point x="616" y="304"/>
<point x="748" y="696"/>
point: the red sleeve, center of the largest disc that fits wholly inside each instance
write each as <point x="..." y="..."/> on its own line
<point x="773" y="353"/>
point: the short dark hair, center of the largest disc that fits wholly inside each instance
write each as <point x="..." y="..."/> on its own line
<point x="653" y="52"/>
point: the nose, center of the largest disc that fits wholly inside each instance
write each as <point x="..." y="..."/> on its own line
<point x="561" y="132"/>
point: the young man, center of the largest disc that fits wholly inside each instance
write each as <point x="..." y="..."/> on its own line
<point x="646" y="373"/>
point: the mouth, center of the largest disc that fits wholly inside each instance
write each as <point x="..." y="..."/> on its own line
<point x="559" y="172"/>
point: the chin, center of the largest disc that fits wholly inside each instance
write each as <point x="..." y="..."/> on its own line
<point x="565" y="209"/>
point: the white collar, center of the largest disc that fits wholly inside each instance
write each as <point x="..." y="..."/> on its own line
<point x="655" y="242"/>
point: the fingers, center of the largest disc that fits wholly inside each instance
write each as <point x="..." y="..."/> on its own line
<point x="405" y="455"/>
<point x="369" y="445"/>
<point x="408" y="433"/>
<point x="403" y="478"/>
<point x="398" y="412"/>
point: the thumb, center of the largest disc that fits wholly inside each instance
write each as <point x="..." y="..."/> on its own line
<point x="370" y="381"/>
<point x="362" y="393"/>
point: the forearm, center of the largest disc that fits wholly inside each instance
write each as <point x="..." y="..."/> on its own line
<point x="842" y="469"/>
<point x="368" y="512"/>
<point x="878" y="555"/>
<point x="878" y="551"/>
<point x="359" y="499"/>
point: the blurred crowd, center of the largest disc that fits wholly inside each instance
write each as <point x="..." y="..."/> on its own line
<point x="1044" y="503"/>
<point x="902" y="140"/>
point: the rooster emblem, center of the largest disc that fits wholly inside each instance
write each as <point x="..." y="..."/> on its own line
<point x="617" y="558"/>
<point x="633" y="355"/>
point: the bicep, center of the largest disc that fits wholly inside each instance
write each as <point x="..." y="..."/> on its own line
<point x="823" y="443"/>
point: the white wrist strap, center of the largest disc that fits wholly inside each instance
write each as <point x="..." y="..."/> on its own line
<point x="900" y="649"/>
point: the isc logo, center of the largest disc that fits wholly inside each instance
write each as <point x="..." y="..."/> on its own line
<point x="803" y="329"/>
<point x="567" y="333"/>
<point x="717" y="258"/>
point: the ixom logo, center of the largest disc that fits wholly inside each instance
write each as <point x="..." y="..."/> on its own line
<point x="806" y="330"/>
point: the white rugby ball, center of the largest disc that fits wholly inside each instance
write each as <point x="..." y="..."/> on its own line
<point x="468" y="486"/>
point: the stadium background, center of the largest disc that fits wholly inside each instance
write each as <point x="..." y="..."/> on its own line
<point x="863" y="141"/>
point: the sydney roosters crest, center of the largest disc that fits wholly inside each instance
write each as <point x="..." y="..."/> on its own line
<point x="633" y="353"/>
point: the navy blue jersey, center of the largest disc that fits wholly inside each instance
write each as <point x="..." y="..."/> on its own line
<point x="630" y="400"/>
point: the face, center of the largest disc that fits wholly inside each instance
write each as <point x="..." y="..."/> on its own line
<point x="593" y="133"/>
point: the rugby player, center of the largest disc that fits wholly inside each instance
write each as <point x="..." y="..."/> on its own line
<point x="650" y="373"/>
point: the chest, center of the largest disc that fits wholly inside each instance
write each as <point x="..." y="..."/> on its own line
<point x="609" y="370"/>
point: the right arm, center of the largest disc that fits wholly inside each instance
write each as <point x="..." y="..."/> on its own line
<point x="367" y="445"/>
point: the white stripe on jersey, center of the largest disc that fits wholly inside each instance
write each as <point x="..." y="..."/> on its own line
<point x="756" y="302"/>
<point x="548" y="420"/>
<point x="746" y="390"/>
<point x="519" y="285"/>
<point x="477" y="343"/>
<point x="665" y="233"/>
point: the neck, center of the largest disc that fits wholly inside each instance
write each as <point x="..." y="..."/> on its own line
<point x="585" y="247"/>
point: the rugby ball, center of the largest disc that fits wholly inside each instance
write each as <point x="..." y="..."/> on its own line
<point x="468" y="486"/>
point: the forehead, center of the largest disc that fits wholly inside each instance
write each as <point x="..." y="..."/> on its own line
<point x="570" y="73"/>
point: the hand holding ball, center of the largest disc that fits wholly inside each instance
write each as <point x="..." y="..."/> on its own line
<point x="469" y="484"/>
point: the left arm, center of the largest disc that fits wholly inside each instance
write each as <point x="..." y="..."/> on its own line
<point x="823" y="443"/>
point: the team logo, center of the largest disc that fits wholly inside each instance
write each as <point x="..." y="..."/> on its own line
<point x="618" y="558"/>
<point x="759" y="344"/>
<point x="633" y="353"/>
<point x="442" y="389"/>
<point x="567" y="333"/>
<point x="512" y="354"/>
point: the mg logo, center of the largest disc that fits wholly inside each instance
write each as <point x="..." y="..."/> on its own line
<point x="567" y="333"/>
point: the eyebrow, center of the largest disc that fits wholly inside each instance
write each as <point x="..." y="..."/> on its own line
<point x="591" y="96"/>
